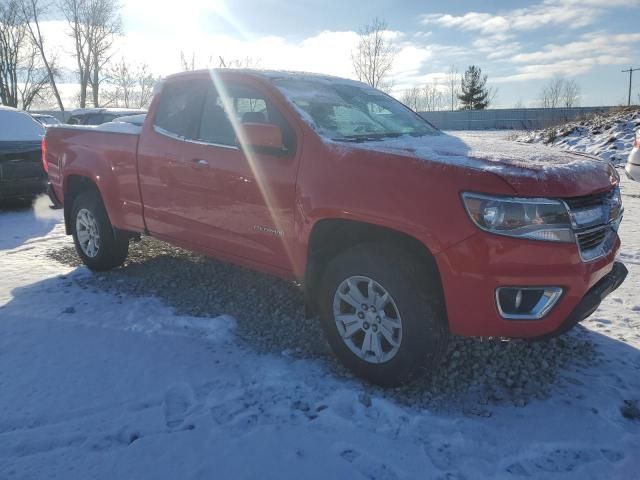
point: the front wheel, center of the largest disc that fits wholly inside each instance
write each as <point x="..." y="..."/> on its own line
<point x="382" y="314"/>
<point x="95" y="239"/>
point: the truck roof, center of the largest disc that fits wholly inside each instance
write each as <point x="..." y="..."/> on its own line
<point x="268" y="74"/>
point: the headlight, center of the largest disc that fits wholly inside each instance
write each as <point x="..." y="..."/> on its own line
<point x="534" y="218"/>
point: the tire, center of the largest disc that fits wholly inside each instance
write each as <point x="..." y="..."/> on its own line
<point x="415" y="296"/>
<point x="110" y="249"/>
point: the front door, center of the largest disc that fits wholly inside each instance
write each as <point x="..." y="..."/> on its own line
<point x="219" y="195"/>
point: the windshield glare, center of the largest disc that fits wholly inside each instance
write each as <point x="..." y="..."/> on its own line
<point x="352" y="112"/>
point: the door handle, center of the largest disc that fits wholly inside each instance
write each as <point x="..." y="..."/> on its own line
<point x="201" y="163"/>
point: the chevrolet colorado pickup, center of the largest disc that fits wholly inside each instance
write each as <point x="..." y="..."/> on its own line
<point x="399" y="234"/>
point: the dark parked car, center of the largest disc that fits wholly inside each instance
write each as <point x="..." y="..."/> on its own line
<point x="98" y="116"/>
<point x="46" y="120"/>
<point x="21" y="172"/>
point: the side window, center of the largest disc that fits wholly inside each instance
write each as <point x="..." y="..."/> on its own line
<point x="215" y="125"/>
<point x="244" y="105"/>
<point x="94" y="119"/>
<point x="74" y="120"/>
<point x="180" y="108"/>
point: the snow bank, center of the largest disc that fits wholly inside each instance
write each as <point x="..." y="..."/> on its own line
<point x="609" y="136"/>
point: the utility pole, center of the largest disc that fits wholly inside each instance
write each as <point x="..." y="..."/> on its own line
<point x="631" y="70"/>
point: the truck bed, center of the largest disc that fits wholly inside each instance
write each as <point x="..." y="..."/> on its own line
<point x="109" y="153"/>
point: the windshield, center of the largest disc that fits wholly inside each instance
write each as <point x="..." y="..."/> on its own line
<point x="352" y="111"/>
<point x="48" y="120"/>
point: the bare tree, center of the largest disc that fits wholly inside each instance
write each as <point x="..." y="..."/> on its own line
<point x="146" y="82"/>
<point x="570" y="93"/>
<point x="121" y="78"/>
<point x="246" y="62"/>
<point x="452" y="85"/>
<point x="12" y="43"/>
<point x="107" y="25"/>
<point x="188" y="64"/>
<point x="433" y="98"/>
<point x="33" y="80"/>
<point x="551" y="93"/>
<point x="412" y="98"/>
<point x="93" y="25"/>
<point x="131" y="86"/>
<point x="559" y="92"/>
<point x="493" y="95"/>
<point x="373" y="57"/>
<point x="32" y="11"/>
<point x="75" y="13"/>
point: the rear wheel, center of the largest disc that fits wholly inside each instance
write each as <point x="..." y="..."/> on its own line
<point x="96" y="241"/>
<point x="382" y="314"/>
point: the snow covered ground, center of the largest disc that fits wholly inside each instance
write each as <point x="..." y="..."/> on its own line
<point x="101" y="385"/>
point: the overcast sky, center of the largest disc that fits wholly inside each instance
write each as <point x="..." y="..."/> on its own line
<point x="518" y="47"/>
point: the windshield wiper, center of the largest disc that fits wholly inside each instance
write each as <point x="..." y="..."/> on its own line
<point x="367" y="137"/>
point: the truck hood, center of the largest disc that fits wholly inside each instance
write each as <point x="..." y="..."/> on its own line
<point x="531" y="170"/>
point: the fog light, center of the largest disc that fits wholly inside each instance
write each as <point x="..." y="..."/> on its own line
<point x="526" y="303"/>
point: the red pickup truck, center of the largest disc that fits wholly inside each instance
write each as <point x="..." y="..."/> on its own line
<point x="399" y="234"/>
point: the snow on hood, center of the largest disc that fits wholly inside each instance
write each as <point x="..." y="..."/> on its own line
<point x="486" y="153"/>
<point x="517" y="163"/>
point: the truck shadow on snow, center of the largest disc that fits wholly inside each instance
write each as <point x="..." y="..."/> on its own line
<point x="21" y="220"/>
<point x="270" y="319"/>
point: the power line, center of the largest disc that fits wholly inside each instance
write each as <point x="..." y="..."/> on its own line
<point x="631" y="70"/>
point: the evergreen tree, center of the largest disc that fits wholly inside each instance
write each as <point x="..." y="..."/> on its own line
<point x="474" y="92"/>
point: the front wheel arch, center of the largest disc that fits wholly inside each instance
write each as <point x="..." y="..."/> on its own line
<point x="330" y="237"/>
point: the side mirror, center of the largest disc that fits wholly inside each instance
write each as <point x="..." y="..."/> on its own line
<point x="263" y="136"/>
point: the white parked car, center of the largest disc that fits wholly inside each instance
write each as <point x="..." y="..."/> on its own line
<point x="633" y="162"/>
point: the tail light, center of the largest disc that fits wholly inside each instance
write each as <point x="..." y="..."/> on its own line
<point x="45" y="164"/>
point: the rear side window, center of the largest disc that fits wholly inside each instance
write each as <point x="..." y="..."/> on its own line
<point x="180" y="108"/>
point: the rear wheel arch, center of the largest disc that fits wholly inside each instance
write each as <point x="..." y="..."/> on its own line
<point x="330" y="237"/>
<point x="74" y="185"/>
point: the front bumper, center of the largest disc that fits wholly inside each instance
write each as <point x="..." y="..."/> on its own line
<point x="593" y="298"/>
<point x="473" y="269"/>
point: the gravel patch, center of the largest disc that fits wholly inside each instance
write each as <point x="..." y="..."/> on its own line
<point x="270" y="318"/>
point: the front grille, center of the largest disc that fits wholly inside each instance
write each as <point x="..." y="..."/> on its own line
<point x="595" y="220"/>
<point x="577" y="203"/>
<point x="592" y="239"/>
